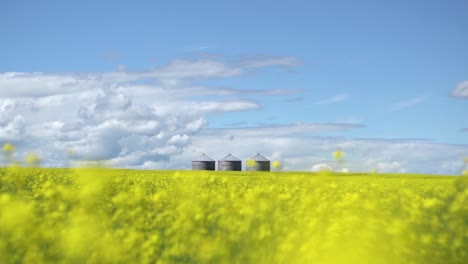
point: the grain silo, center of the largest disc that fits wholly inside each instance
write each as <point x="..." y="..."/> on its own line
<point x="203" y="163"/>
<point x="230" y="163"/>
<point x="258" y="163"/>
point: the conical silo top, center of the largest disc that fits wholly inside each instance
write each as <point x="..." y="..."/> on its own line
<point x="204" y="158"/>
<point x="230" y="157"/>
<point x="258" y="157"/>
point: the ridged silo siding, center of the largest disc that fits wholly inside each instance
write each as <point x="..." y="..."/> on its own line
<point x="259" y="166"/>
<point x="203" y="165"/>
<point x="260" y="163"/>
<point x="229" y="165"/>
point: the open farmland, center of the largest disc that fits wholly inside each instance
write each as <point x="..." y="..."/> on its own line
<point x="125" y="216"/>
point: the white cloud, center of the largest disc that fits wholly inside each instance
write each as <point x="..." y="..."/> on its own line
<point x="178" y="140"/>
<point x="175" y="74"/>
<point x="7" y="110"/>
<point x="461" y="90"/>
<point x="224" y="91"/>
<point x="196" y="125"/>
<point x="220" y="106"/>
<point x="126" y="118"/>
<point x="198" y="69"/>
<point x="283" y="130"/>
<point x="321" y="167"/>
<point x="20" y="84"/>
<point x="335" y="99"/>
<point x="158" y="119"/>
<point x="406" y="104"/>
<point x="390" y="167"/>
<point x="13" y="129"/>
<point x="267" y="61"/>
<point x="203" y="108"/>
<point x="301" y="153"/>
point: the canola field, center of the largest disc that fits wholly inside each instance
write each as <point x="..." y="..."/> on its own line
<point x="125" y="216"/>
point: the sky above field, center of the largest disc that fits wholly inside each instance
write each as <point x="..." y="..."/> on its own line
<point x="147" y="84"/>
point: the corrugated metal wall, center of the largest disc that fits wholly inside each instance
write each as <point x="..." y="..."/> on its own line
<point x="229" y="165"/>
<point x="203" y="165"/>
<point x="259" y="166"/>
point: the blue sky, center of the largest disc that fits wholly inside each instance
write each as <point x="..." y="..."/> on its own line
<point x="336" y="74"/>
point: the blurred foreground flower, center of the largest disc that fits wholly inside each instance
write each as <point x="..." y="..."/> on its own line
<point x="32" y="160"/>
<point x="339" y="155"/>
<point x="8" y="148"/>
<point x="277" y="165"/>
<point x="251" y="163"/>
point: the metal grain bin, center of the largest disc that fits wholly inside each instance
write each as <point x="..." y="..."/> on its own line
<point x="230" y="163"/>
<point x="258" y="163"/>
<point x="203" y="163"/>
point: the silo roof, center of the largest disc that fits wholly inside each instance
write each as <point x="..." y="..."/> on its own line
<point x="230" y="157"/>
<point x="204" y="158"/>
<point x="258" y="157"/>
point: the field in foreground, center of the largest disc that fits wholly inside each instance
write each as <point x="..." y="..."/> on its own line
<point x="121" y="216"/>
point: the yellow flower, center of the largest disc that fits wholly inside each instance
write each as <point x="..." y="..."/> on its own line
<point x="276" y="164"/>
<point x="32" y="159"/>
<point x="8" y="148"/>
<point x="338" y="155"/>
<point x="251" y="163"/>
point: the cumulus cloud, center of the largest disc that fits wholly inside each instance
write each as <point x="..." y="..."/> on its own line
<point x="157" y="119"/>
<point x="111" y="127"/>
<point x="461" y="90"/>
<point x="390" y="167"/>
<point x="132" y="119"/>
<point x="20" y="84"/>
<point x="7" y="110"/>
<point x="13" y="129"/>
<point x="195" y="125"/>
<point x="321" y="167"/>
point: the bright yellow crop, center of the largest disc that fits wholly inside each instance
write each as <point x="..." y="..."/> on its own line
<point x="124" y="216"/>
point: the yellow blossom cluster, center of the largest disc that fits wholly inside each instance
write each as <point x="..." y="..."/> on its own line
<point x="125" y="216"/>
